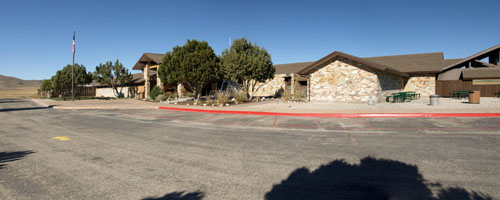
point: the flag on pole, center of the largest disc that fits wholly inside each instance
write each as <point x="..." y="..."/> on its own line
<point x="73" y="42"/>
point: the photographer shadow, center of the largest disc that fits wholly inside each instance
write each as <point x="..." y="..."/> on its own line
<point x="370" y="179"/>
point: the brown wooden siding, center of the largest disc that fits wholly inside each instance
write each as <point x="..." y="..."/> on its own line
<point x="444" y="88"/>
<point x="79" y="91"/>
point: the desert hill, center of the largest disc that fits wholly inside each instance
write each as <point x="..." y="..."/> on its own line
<point x="13" y="83"/>
<point x="12" y="87"/>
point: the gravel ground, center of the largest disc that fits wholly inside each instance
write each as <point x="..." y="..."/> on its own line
<point x="488" y="104"/>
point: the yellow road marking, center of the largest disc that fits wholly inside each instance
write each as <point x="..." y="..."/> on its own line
<point x="62" y="138"/>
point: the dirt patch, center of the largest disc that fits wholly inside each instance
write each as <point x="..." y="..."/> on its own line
<point x="29" y="92"/>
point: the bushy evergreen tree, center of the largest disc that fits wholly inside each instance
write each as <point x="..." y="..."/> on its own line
<point x="46" y="85"/>
<point x="113" y="75"/>
<point x="62" y="80"/>
<point x="194" y="65"/>
<point x="247" y="64"/>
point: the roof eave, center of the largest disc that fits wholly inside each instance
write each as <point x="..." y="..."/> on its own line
<point x="468" y="59"/>
<point x="424" y="72"/>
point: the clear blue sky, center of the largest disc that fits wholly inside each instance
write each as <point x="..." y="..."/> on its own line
<point x="36" y="36"/>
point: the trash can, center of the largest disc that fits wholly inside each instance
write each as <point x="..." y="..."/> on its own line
<point x="474" y="96"/>
<point x="434" y="99"/>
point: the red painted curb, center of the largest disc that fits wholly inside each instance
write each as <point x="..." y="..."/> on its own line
<point x="336" y="115"/>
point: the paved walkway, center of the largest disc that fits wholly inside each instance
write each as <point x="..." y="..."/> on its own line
<point x="487" y="105"/>
<point x="98" y="104"/>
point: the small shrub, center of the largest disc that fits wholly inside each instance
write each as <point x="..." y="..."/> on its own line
<point x="161" y="97"/>
<point x="286" y="95"/>
<point x="209" y="101"/>
<point x="173" y="96"/>
<point x="239" y="96"/>
<point x="222" y="98"/>
<point x="279" y="93"/>
<point x="156" y="91"/>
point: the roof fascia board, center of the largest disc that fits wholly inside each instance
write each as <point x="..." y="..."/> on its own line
<point x="472" y="58"/>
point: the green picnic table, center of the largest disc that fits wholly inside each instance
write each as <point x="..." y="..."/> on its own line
<point x="403" y="96"/>
<point x="497" y="94"/>
<point x="460" y="94"/>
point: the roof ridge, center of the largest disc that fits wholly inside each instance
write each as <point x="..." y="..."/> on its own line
<point x="352" y="57"/>
<point x="412" y="54"/>
<point x="294" y="63"/>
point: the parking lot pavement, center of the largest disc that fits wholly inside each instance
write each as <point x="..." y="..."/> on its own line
<point x="154" y="154"/>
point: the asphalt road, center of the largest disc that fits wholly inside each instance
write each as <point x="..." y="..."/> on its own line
<point x="156" y="154"/>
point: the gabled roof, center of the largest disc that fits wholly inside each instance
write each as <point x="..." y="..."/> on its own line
<point x="290" y="68"/>
<point x="330" y="58"/>
<point x="485" y="64"/>
<point x="451" y="61"/>
<point x="477" y="56"/>
<point x="412" y="63"/>
<point x="148" y="58"/>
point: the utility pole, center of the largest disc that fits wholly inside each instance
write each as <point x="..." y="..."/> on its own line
<point x="72" y="71"/>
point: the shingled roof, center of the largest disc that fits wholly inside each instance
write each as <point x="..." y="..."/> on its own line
<point x="451" y="61"/>
<point x="412" y="63"/>
<point x="290" y="68"/>
<point x="148" y="58"/>
<point x="329" y="58"/>
<point x="481" y="73"/>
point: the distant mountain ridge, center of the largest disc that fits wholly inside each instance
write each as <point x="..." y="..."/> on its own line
<point x="13" y="83"/>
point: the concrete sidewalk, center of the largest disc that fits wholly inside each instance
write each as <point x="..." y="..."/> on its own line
<point x="98" y="104"/>
<point x="487" y="105"/>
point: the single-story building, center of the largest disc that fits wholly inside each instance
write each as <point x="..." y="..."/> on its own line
<point x="284" y="76"/>
<point x="346" y="78"/>
<point x="480" y="71"/>
<point x="148" y="63"/>
<point x="341" y="77"/>
<point x="129" y="91"/>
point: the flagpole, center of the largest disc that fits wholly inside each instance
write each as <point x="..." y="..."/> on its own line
<point x="72" y="70"/>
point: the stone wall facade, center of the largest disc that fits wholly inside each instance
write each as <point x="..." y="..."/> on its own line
<point x="109" y="92"/>
<point x="424" y="84"/>
<point x="271" y="86"/>
<point x="347" y="81"/>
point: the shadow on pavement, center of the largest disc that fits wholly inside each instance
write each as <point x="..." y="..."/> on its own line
<point x="370" y="179"/>
<point x="6" y="157"/>
<point x="21" y="109"/>
<point x="179" y="196"/>
<point x="12" y="100"/>
<point x="460" y="193"/>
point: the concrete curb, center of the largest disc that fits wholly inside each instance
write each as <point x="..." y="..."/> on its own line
<point x="335" y="115"/>
<point x="41" y="104"/>
<point x="100" y="108"/>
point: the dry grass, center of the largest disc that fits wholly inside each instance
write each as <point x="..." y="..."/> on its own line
<point x="19" y="93"/>
<point x="222" y="98"/>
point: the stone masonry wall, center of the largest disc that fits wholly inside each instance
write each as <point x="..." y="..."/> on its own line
<point x="346" y="81"/>
<point x="424" y="84"/>
<point x="270" y="87"/>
